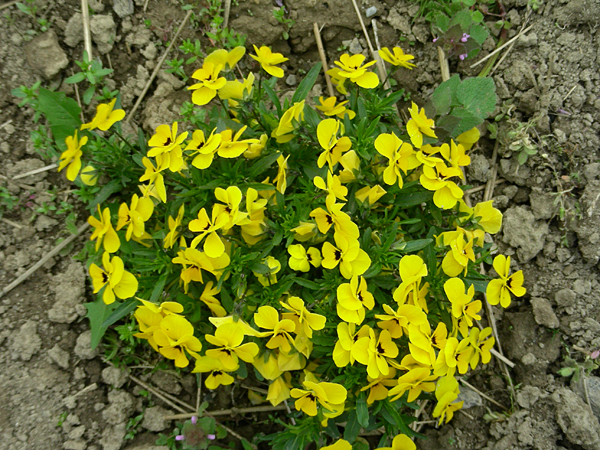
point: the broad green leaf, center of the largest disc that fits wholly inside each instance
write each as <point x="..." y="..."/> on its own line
<point x="416" y="245"/>
<point x="442" y="96"/>
<point x="62" y="113"/>
<point x="98" y="312"/>
<point x="306" y="84"/>
<point x="478" y="95"/>
<point x="262" y="164"/>
<point x="412" y="199"/>
<point x="468" y="120"/>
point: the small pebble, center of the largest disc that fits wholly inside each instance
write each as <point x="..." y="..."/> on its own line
<point x="291" y="80"/>
<point x="370" y="12"/>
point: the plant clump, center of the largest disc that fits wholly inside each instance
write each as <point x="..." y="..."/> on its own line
<point x="327" y="253"/>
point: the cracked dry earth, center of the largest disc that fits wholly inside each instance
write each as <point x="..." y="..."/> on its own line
<point x="56" y="393"/>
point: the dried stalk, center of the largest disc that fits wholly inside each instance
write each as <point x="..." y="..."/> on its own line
<point x="6" y="5"/>
<point x="502" y="46"/>
<point x="226" y="13"/>
<point x="323" y="59"/>
<point x="161" y="395"/>
<point x="87" y="35"/>
<point x="488" y="398"/>
<point x="374" y="54"/>
<point x="444" y="67"/>
<point x="43" y="261"/>
<point x="35" y="171"/>
<point x="229" y="412"/>
<point x="157" y="68"/>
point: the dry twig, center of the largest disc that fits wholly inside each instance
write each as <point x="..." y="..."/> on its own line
<point x="226" y="13"/>
<point x="376" y="57"/>
<point x="87" y="35"/>
<point x="229" y="412"/>
<point x="323" y="59"/>
<point x="163" y="396"/>
<point x="43" y="261"/>
<point x="509" y="42"/>
<point x="444" y="67"/>
<point x="6" y="5"/>
<point x="488" y="398"/>
<point x="35" y="171"/>
<point x="157" y="68"/>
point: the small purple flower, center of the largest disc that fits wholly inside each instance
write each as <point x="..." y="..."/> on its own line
<point x="595" y="354"/>
<point x="180" y="437"/>
<point x="194" y="420"/>
<point x="464" y="37"/>
<point x="463" y="56"/>
<point x="211" y="437"/>
<point x="435" y="39"/>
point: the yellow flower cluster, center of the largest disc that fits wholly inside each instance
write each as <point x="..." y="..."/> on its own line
<point x="397" y="342"/>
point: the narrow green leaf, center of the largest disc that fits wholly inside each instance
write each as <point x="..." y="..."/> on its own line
<point x="105" y="192"/>
<point x="78" y="77"/>
<point x="121" y="311"/>
<point x="362" y="411"/>
<point x="307" y="84"/>
<point x="416" y="245"/>
<point x="158" y="289"/>
<point x="262" y="164"/>
<point x="307" y="284"/>
<point x="273" y="97"/>
<point x="412" y="199"/>
<point x="352" y="427"/>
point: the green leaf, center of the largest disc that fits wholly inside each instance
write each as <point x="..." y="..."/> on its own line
<point x="442" y="96"/>
<point x="352" y="427"/>
<point x="413" y="199"/>
<point x="62" y="114"/>
<point x="307" y="84"/>
<point x="77" y="78"/>
<point x="442" y="21"/>
<point x="98" y="312"/>
<point x="88" y="95"/>
<point x="477" y="17"/>
<point x="478" y="96"/>
<point x="121" y="311"/>
<point x="463" y="19"/>
<point x="273" y="97"/>
<point x="307" y="284"/>
<point x="262" y="164"/>
<point x="158" y="289"/>
<point x="362" y="411"/>
<point x="416" y="245"/>
<point x="105" y="192"/>
<point x="467" y="121"/>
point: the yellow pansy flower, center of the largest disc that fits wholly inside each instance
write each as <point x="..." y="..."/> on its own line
<point x="415" y="382"/>
<point x="352" y="68"/>
<point x="333" y="186"/>
<point x="173" y="224"/>
<point x="208" y="83"/>
<point x="401" y="157"/>
<point x="154" y="176"/>
<point x="207" y="227"/>
<point x="329" y="107"/>
<point x="72" y="156"/>
<point x="113" y="277"/>
<point x="278" y="392"/>
<point x="135" y="216"/>
<point x="396" y="57"/>
<point x="229" y="337"/>
<point x="400" y="442"/>
<point x="166" y="142"/>
<point x="304" y="320"/>
<point x="446" y="392"/>
<point x="288" y="122"/>
<point x="227" y="59"/>
<point x="218" y="375"/>
<point x="378" y="387"/>
<point x="329" y="395"/>
<point x="398" y="321"/>
<point x="499" y="290"/>
<point x="340" y="444"/>
<point x="104" y="233"/>
<point x="269" y="60"/>
<point x="334" y="147"/>
<point x="374" y="352"/>
<point x="280" y="180"/>
<point x="462" y="304"/>
<point x="419" y="125"/>
<point x="175" y="337"/>
<point x="105" y="117"/>
<point x="267" y="317"/>
<point x="437" y="179"/>
<point x="370" y="194"/>
<point x="347" y="337"/>
<point x="301" y="259"/>
<point x="352" y="299"/>
<point x="209" y="299"/>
